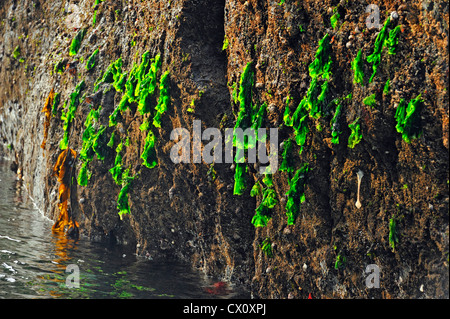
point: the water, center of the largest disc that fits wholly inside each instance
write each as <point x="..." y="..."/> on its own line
<point x="33" y="261"/>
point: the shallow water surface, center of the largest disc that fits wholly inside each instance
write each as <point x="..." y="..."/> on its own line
<point x="34" y="262"/>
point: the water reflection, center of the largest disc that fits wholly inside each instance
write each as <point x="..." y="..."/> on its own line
<point x="33" y="261"/>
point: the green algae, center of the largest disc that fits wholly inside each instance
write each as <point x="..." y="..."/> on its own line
<point x="146" y="83"/>
<point x="408" y="118"/>
<point x="164" y="99"/>
<point x="287" y="164"/>
<point x="56" y="101"/>
<point x="335" y="125"/>
<point x="117" y="170"/>
<point x="299" y="122"/>
<point x="149" y="154"/>
<point x="358" y="68"/>
<point x="393" y="233"/>
<point x="386" y="87"/>
<point x="90" y="63"/>
<point x="392" y="40"/>
<point x="69" y="115"/>
<point x="356" y="134"/>
<point x="269" y="201"/>
<point x="321" y="66"/>
<point x="370" y="100"/>
<point x="123" y="198"/>
<point x="296" y="193"/>
<point x="76" y="42"/>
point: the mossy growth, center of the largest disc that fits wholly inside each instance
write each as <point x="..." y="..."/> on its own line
<point x="315" y="98"/>
<point x="69" y="115"/>
<point x="149" y="154"/>
<point x="334" y="19"/>
<point x="225" y="43"/>
<point x="296" y="193"/>
<point x="299" y="122"/>
<point x="387" y="39"/>
<point x="356" y="134"/>
<point x="386" y="87"/>
<point x="269" y="201"/>
<point x="76" y="42"/>
<point x="122" y="200"/>
<point x="321" y="66"/>
<point x="287" y="165"/>
<point x="90" y="63"/>
<point x="56" y="101"/>
<point x="408" y="118"/>
<point x="375" y="57"/>
<point x="114" y="75"/>
<point x="266" y="247"/>
<point x="164" y="99"/>
<point x="358" y="69"/>
<point x="146" y="83"/>
<point x="335" y="124"/>
<point x="16" y="53"/>
<point x="59" y="66"/>
<point x="392" y="40"/>
<point x="245" y="98"/>
<point x="393" y="233"/>
<point x="240" y="180"/>
<point x="93" y="144"/>
<point x="340" y="262"/>
<point x="117" y="170"/>
<point x="370" y="100"/>
<point x="249" y="116"/>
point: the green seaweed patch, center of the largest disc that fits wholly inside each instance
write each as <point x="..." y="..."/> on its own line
<point x="149" y="154"/>
<point x="16" y="53"/>
<point x="269" y="201"/>
<point x="408" y="118"/>
<point x="59" y="66"/>
<point x="370" y="100"/>
<point x="386" y="87"/>
<point x="117" y="170"/>
<point x="287" y="164"/>
<point x="240" y="180"/>
<point x="56" y="101"/>
<point x="90" y="63"/>
<point x="375" y="57"/>
<point x="76" y="42"/>
<point x="334" y="19"/>
<point x="296" y="193"/>
<point x="69" y="115"/>
<point x="164" y="99"/>
<point x="392" y="40"/>
<point x="321" y="66"/>
<point x="266" y="247"/>
<point x="358" y="69"/>
<point x="299" y="122"/>
<point x="335" y="124"/>
<point x="393" y="233"/>
<point x="122" y="200"/>
<point x="356" y="134"/>
<point x="146" y="85"/>
<point x="93" y="144"/>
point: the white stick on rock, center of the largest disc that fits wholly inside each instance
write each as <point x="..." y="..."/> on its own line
<point x="360" y="176"/>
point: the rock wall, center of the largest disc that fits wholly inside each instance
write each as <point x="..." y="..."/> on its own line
<point x="188" y="211"/>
